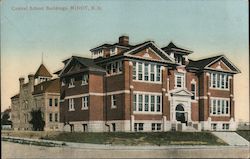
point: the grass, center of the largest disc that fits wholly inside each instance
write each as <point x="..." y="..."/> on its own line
<point x="121" y="138"/>
<point x="160" y="138"/>
<point x="244" y="133"/>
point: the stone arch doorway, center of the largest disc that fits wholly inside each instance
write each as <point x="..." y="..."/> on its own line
<point x="180" y="114"/>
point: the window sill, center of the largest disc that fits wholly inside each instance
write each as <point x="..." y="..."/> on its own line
<point x="150" y="113"/>
<point x="221" y="115"/>
<point x="113" y="74"/>
<point x="84" y="108"/>
<point x="84" y="84"/>
<point x="71" y="86"/>
<point x="71" y="110"/>
<point x="153" y="82"/>
<point x="221" y="89"/>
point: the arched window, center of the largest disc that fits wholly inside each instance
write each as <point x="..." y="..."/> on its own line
<point x="179" y="107"/>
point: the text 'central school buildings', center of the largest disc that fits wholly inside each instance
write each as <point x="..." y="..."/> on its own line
<point x="143" y="87"/>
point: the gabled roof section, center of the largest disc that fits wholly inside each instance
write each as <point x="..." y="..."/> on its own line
<point x="87" y="62"/>
<point x="42" y="71"/>
<point x="172" y="47"/>
<point x="149" y="44"/>
<point x="181" y="92"/>
<point x="205" y="63"/>
<point x="51" y="86"/>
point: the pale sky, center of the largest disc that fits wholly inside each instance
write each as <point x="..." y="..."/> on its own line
<point x="208" y="27"/>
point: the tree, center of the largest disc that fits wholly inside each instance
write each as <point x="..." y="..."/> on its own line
<point x="5" y="119"/>
<point x="37" y="120"/>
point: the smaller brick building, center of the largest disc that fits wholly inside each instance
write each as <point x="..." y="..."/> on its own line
<point x="143" y="87"/>
<point x="40" y="92"/>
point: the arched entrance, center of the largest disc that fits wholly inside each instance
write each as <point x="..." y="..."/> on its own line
<point x="180" y="114"/>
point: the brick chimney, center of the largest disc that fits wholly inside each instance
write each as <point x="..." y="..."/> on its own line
<point x="124" y="40"/>
<point x="21" y="82"/>
<point x="31" y="82"/>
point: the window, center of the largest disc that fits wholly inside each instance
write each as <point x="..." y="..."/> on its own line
<point x="156" y="126"/>
<point x="71" y="104"/>
<point x="140" y="103"/>
<point x="114" y="68"/>
<point x="56" y="117"/>
<point x="225" y="126"/>
<point x="139" y="71"/>
<point x="85" y="127"/>
<point x="56" y="102"/>
<point x="222" y="107"/>
<point x="214" y="80"/>
<point x="71" y="83"/>
<point x="120" y="66"/>
<point x="214" y="106"/>
<point x="227" y="107"/>
<point x="223" y="81"/>
<point x="138" y="127"/>
<point x="179" y="80"/>
<point x="158" y="104"/>
<point x="50" y="102"/>
<point x="193" y="90"/>
<point x="153" y="126"/>
<point x="113" y="127"/>
<point x="146" y="72"/>
<point x="134" y="70"/>
<point x="219" y="80"/>
<point x="134" y="102"/>
<point x="50" y="117"/>
<point x="147" y="103"/>
<point x="113" y="101"/>
<point x="158" y="73"/>
<point x="152" y="72"/>
<point x="152" y="103"/>
<point x="85" y="102"/>
<point x="219" y="106"/>
<point x="113" y="51"/>
<point x="85" y="79"/>
<point x="214" y="126"/>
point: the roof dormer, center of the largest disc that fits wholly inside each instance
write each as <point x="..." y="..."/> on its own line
<point x="178" y="53"/>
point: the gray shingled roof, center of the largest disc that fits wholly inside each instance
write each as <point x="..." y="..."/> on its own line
<point x="202" y="63"/>
<point x="89" y="63"/>
<point x="172" y="47"/>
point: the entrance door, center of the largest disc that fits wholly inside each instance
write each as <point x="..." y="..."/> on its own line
<point x="180" y="113"/>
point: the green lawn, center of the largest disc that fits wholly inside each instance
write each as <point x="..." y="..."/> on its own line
<point x="244" y="133"/>
<point x="160" y="138"/>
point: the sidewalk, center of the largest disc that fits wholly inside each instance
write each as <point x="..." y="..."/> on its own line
<point x="121" y="147"/>
<point x="232" y="138"/>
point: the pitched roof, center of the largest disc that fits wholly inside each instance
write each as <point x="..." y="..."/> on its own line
<point x="172" y="47"/>
<point x="89" y="63"/>
<point x="111" y="45"/>
<point x="151" y="44"/>
<point x="204" y="63"/>
<point x="51" y="86"/>
<point x="42" y="71"/>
